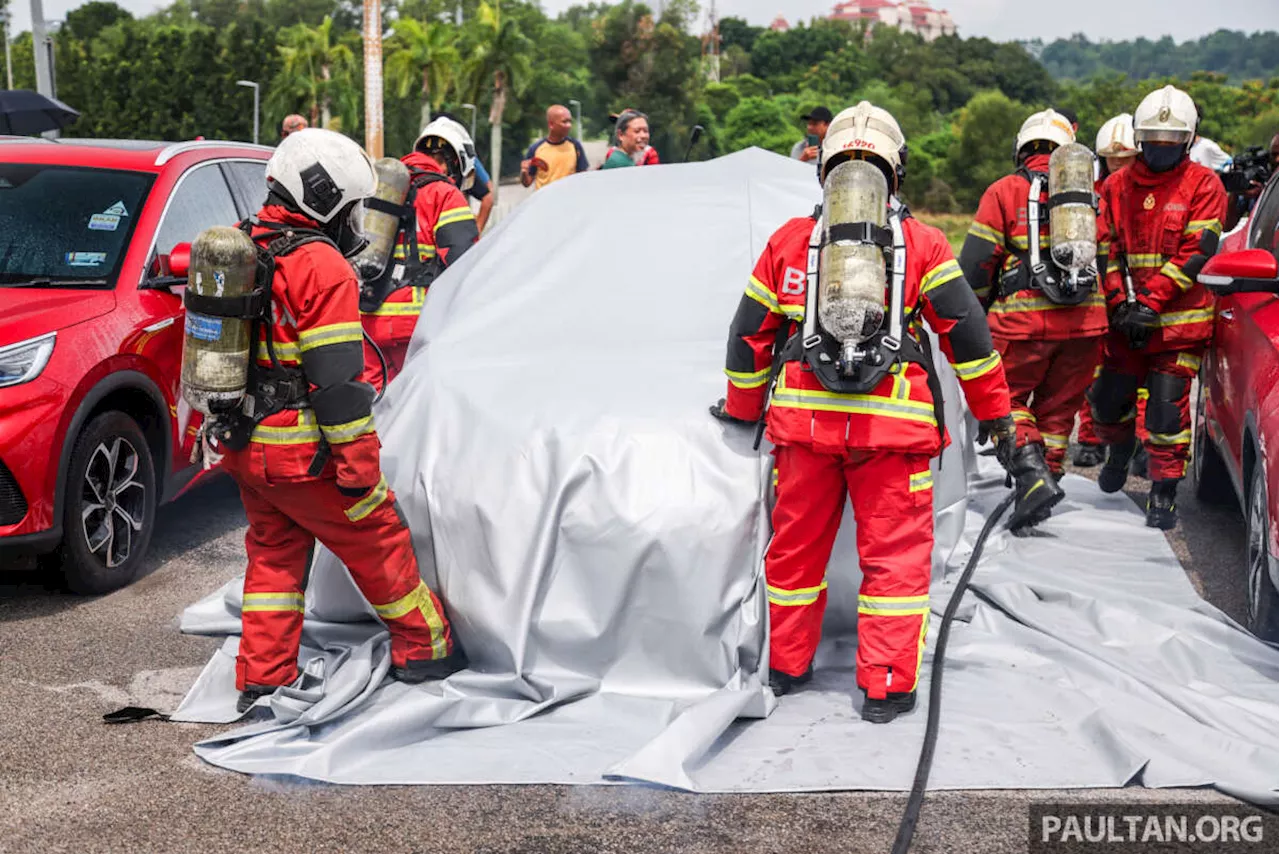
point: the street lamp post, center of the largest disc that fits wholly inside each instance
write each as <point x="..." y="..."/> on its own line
<point x="472" y="108"/>
<point x="254" y="86"/>
<point x="578" y="108"/>
<point x="8" y="57"/>
<point x="373" y="78"/>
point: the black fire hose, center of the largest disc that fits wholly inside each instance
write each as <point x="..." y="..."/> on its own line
<point x="907" y="828"/>
<point x="382" y="360"/>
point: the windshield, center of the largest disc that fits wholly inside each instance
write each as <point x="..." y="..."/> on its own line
<point x="66" y="226"/>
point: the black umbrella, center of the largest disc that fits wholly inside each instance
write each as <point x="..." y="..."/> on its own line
<point x="23" y="112"/>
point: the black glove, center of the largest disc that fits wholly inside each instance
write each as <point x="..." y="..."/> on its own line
<point x="1136" y="321"/>
<point x="1005" y="435"/>
<point x="355" y="491"/>
<point x="717" y="412"/>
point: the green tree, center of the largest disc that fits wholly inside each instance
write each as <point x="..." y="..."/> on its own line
<point x="501" y="53"/>
<point x="422" y="57"/>
<point x="981" y="152"/>
<point x="317" y="74"/>
<point x="758" y="122"/>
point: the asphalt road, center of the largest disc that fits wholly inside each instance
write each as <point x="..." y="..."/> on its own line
<point x="70" y="783"/>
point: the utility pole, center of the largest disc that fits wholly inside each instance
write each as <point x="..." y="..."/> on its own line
<point x="40" y="48"/>
<point x="711" y="46"/>
<point x="578" y="107"/>
<point x="8" y="56"/>
<point x="373" y="78"/>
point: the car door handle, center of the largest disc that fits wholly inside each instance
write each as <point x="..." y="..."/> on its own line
<point x="1227" y="314"/>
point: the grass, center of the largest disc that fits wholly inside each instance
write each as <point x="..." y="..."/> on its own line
<point x="953" y="226"/>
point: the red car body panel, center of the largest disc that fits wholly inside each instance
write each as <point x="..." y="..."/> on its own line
<point x="108" y="339"/>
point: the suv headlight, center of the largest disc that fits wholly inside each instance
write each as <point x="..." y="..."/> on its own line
<point x="22" y="362"/>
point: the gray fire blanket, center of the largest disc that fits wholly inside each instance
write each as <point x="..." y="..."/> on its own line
<point x="598" y="540"/>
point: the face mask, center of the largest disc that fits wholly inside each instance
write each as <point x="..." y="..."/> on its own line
<point x="349" y="234"/>
<point x="1162" y="158"/>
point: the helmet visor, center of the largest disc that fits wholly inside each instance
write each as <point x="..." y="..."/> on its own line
<point x="1182" y="137"/>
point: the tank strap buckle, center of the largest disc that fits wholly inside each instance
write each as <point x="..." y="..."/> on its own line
<point x="812" y="341"/>
<point x="891" y="344"/>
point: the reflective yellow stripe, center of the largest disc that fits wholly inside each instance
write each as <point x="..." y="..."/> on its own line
<point x="409" y="308"/>
<point x="284" y="601"/>
<point x="894" y="606"/>
<point x="987" y="233"/>
<point x="286" y="351"/>
<point x="453" y="215"/>
<point x="901" y="388"/>
<point x="857" y="404"/>
<point x="799" y="596"/>
<point x="758" y="292"/>
<point x="307" y="430"/>
<point x="1179" y="277"/>
<point x="794" y="312"/>
<point x="1183" y="438"/>
<point x="419" y="600"/>
<point x="775" y="475"/>
<point x="1023" y="242"/>
<point x="1185" y="318"/>
<point x="745" y="380"/>
<point x="370" y="502"/>
<point x="1191" y="363"/>
<point x="920" y="481"/>
<point x="1037" y="302"/>
<point x="1054" y="440"/>
<point x="1023" y="415"/>
<point x="339" y="434"/>
<point x="978" y="367"/>
<point x="940" y="275"/>
<point x="334" y="333"/>
<point x="426" y="251"/>
<point x="924" y="631"/>
<point x="1145" y="262"/>
<point x="1203" y="225"/>
<point x="983" y="293"/>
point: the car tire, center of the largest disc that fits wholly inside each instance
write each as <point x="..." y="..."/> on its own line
<point x="109" y="510"/>
<point x="1208" y="471"/>
<point x="1263" y="607"/>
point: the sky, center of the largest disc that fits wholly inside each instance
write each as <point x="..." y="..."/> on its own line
<point x="1001" y="20"/>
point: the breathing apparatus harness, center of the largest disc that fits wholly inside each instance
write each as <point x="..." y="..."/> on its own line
<point x="1061" y="287"/>
<point x="411" y="271"/>
<point x="860" y="369"/>
<point x="274" y="388"/>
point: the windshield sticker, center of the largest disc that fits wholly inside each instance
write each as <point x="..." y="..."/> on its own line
<point x="104" y="222"/>
<point x="117" y="209"/>
<point x="85" y="259"/>
<point x="204" y="328"/>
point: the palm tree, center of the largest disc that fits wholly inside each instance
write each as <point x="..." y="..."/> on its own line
<point x="316" y="71"/>
<point x="425" y="56"/>
<point x="502" y="53"/>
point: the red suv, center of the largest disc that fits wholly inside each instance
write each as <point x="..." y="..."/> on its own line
<point x="94" y="432"/>
<point x="1236" y="441"/>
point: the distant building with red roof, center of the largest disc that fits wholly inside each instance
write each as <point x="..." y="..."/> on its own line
<point x="779" y="25"/>
<point x="914" y="16"/>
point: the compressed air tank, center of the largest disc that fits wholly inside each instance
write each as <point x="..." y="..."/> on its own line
<point x="215" y="350"/>
<point x="1073" y="225"/>
<point x="851" y="274"/>
<point x="381" y="228"/>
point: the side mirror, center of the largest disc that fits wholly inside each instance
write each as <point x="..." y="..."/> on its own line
<point x="180" y="260"/>
<point x="1246" y="271"/>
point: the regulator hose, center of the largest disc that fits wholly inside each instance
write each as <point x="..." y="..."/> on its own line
<point x="907" y="827"/>
<point x="382" y="360"/>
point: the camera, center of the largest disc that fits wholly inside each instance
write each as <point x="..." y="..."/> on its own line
<point x="1254" y="166"/>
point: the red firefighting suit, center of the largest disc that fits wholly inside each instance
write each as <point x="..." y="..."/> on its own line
<point x="1085" y="435"/>
<point x="315" y="299"/>
<point x="446" y="229"/>
<point x="875" y="446"/>
<point x="1166" y="224"/>
<point x="1050" y="351"/>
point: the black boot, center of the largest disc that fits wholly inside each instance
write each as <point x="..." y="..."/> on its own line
<point x="1162" y="506"/>
<point x="418" y="671"/>
<point x="1138" y="465"/>
<point x="782" y="683"/>
<point x="1036" y="487"/>
<point x="1115" y="471"/>
<point x="1088" y="456"/>
<point x="886" y="710"/>
<point x="251" y="694"/>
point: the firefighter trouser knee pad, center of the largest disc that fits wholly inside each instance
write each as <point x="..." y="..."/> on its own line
<point x="1112" y="397"/>
<point x="1164" y="403"/>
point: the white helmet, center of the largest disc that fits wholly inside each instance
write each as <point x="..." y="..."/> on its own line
<point x="449" y="141"/>
<point x="1166" y="115"/>
<point x="321" y="172"/>
<point x="1047" y="125"/>
<point x="1115" y="137"/>
<point x="869" y="129"/>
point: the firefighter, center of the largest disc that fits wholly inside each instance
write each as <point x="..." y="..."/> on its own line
<point x="1116" y="151"/>
<point x="439" y="228"/>
<point x="1164" y="216"/>
<point x="1049" y="340"/>
<point x="307" y="464"/>
<point x="854" y="404"/>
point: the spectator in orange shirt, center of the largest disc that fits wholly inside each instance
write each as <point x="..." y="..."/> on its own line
<point x="557" y="155"/>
